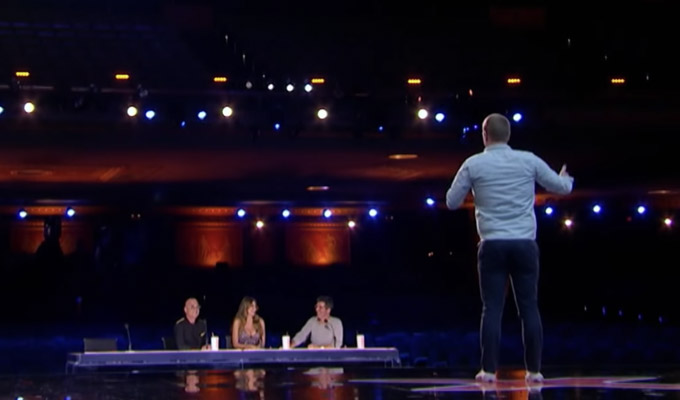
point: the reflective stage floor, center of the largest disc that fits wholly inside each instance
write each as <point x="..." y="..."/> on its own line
<point x="347" y="383"/>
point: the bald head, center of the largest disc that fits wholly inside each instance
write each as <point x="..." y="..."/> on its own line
<point x="191" y="309"/>
<point x="495" y="129"/>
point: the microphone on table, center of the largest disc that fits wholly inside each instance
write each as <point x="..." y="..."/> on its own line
<point x="207" y="338"/>
<point x="127" y="329"/>
<point x="205" y="321"/>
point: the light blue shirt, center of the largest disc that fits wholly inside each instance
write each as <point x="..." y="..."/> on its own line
<point x="503" y="183"/>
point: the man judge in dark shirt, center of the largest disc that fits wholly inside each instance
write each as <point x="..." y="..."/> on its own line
<point x="190" y="331"/>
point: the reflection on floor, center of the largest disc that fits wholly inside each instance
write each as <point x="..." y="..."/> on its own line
<point x="343" y="383"/>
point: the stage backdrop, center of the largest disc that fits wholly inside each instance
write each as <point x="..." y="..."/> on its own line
<point x="206" y="243"/>
<point x="317" y="244"/>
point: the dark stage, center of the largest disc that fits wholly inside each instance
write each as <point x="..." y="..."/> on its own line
<point x="347" y="383"/>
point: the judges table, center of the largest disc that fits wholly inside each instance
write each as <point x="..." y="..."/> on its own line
<point x="385" y="356"/>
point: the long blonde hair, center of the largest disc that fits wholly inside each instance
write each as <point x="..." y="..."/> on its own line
<point x="242" y="314"/>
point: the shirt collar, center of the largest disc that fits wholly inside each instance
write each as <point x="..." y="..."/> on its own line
<point x="497" y="146"/>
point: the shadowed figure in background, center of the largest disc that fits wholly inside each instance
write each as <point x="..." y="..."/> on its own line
<point x="49" y="254"/>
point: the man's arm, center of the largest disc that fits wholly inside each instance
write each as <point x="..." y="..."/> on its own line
<point x="560" y="183"/>
<point x="459" y="188"/>
<point x="301" y="336"/>
<point x="338" y="331"/>
<point x="179" y="337"/>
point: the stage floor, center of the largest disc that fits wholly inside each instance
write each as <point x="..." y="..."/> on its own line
<point x="347" y="383"/>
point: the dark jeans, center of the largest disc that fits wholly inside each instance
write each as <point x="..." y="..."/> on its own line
<point x="518" y="260"/>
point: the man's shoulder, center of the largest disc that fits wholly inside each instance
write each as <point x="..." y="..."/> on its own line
<point x="180" y="321"/>
<point x="336" y="320"/>
<point x="524" y="153"/>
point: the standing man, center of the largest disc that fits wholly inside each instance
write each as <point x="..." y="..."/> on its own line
<point x="190" y="331"/>
<point x="503" y="184"/>
<point x="325" y="331"/>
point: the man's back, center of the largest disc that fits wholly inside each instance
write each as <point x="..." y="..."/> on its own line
<point x="503" y="183"/>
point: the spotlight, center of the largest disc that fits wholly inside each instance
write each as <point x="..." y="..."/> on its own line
<point x="2" y="110"/>
<point x="227" y="111"/>
<point x="549" y="210"/>
<point x="327" y="213"/>
<point x="290" y="87"/>
<point x="422" y="113"/>
<point x="308" y="88"/>
<point x="270" y="87"/>
<point x="381" y="128"/>
<point x="568" y="223"/>
<point x="249" y="85"/>
<point x="351" y="224"/>
<point x="183" y="124"/>
<point x="241" y="213"/>
<point x="597" y="208"/>
<point x="517" y="117"/>
<point x="150" y="114"/>
<point x="322" y="113"/>
<point x="285" y="213"/>
<point x="70" y="212"/>
<point x="439" y="117"/>
<point x="22" y="214"/>
<point x="259" y="224"/>
<point x="201" y="115"/>
<point x="668" y="222"/>
<point x="29" y="107"/>
<point x="372" y="213"/>
<point x="132" y="111"/>
<point x="277" y="126"/>
<point x="641" y="210"/>
<point x="429" y="201"/>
